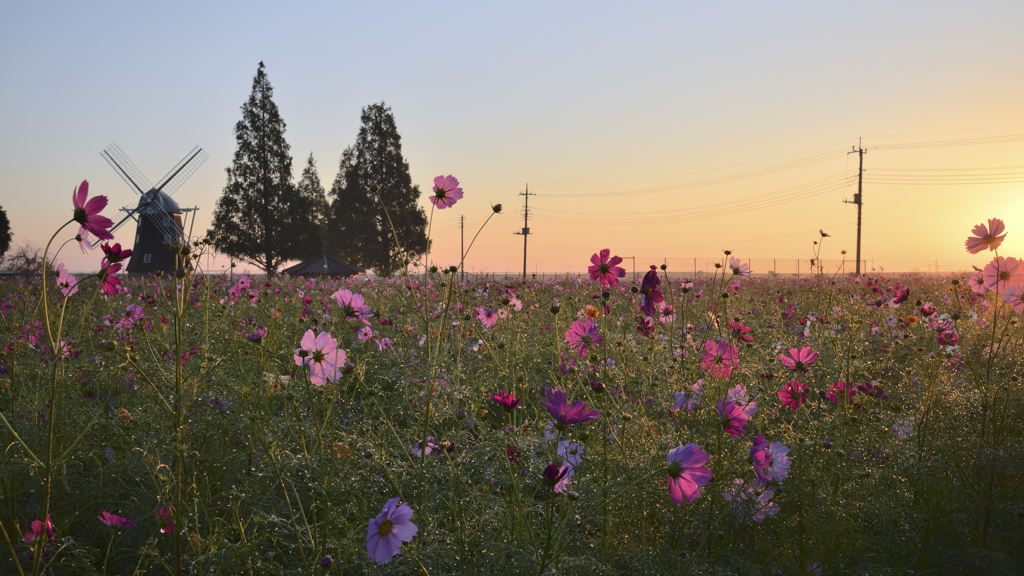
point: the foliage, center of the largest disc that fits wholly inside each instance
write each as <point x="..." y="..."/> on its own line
<point x="312" y="195"/>
<point x="261" y="218"/>
<point x="5" y="233"/>
<point x="26" y="260"/>
<point x="359" y="230"/>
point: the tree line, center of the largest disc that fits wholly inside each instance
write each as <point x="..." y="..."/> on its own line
<point x="265" y="219"/>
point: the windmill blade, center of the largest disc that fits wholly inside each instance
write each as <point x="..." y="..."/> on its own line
<point x="182" y="171"/>
<point x="130" y="216"/>
<point x="125" y="168"/>
<point x="164" y="223"/>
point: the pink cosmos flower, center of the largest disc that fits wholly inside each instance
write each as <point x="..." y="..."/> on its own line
<point x="115" y="521"/>
<point x="1002" y="272"/>
<point x="799" y="360"/>
<point x="487" y="316"/>
<point x="84" y="244"/>
<point x="732" y="418"/>
<point x="365" y="334"/>
<point x="37" y="530"/>
<point x="114" y="253"/>
<point x="874" y="390"/>
<point x="389" y="529"/>
<point x="761" y="458"/>
<point x="108" y="276"/>
<point x="606" y="269"/>
<point x="571" y="454"/>
<point x="446" y="192"/>
<point x="432" y="444"/>
<point x="320" y="353"/>
<point x="823" y="234"/>
<point x="990" y="236"/>
<point x="353" y="306"/>
<point x="565" y="414"/>
<point x="164" y="518"/>
<point x="720" y="359"/>
<point x="87" y="212"/>
<point x="582" y="336"/>
<point x="738" y="268"/>
<point x="1014" y="296"/>
<point x="66" y="281"/>
<point x="793" y="394"/>
<point x="506" y="400"/>
<point x="738" y="396"/>
<point x="686" y="472"/>
<point x="740" y="333"/>
<point x="556" y="476"/>
<point x="650" y="296"/>
<point x="841" y="393"/>
<point x="750" y="503"/>
<point x="977" y="282"/>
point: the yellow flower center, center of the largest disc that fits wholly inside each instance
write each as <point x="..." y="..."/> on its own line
<point x="385" y="528"/>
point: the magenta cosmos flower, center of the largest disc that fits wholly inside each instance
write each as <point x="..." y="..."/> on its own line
<point x="1002" y="272"/>
<point x="720" y="359"/>
<point x="388" y="530"/>
<point x="582" y="336"/>
<point x="733" y="419"/>
<point x="650" y="297"/>
<point x="114" y="254"/>
<point x="793" y="394"/>
<point x="115" y="521"/>
<point x="799" y="360"/>
<point x="107" y="275"/>
<point x="564" y="413"/>
<point x="841" y="393"/>
<point x="686" y="472"/>
<point x="87" y="212"/>
<point x="506" y="400"/>
<point x="990" y="236"/>
<point x="761" y="458"/>
<point x="606" y="269"/>
<point x="446" y="192"/>
<point x="320" y="353"/>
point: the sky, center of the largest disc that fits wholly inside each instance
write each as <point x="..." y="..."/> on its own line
<point x="664" y="131"/>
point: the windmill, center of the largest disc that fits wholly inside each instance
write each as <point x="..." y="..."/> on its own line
<point x="158" y="217"/>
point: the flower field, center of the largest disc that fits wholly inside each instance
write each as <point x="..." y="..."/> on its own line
<point x="726" y="424"/>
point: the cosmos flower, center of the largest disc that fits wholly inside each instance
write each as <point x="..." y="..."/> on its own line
<point x="257" y="336"/>
<point x="606" y="269"/>
<point x="164" y="518"/>
<point x="650" y="296"/>
<point x="874" y="390"/>
<point x="778" y="467"/>
<point x="799" y="360"/>
<point x="840" y="393"/>
<point x="733" y="419"/>
<point x="1002" y="272"/>
<point x="582" y="336"/>
<point x="322" y="356"/>
<point x="793" y="395"/>
<point x="686" y="472"/>
<point x="432" y="444"/>
<point x="719" y="360"/>
<point x="761" y="458"/>
<point x="353" y="305"/>
<point x="114" y="253"/>
<point x="977" y="282"/>
<point x="738" y="268"/>
<point x="990" y="236"/>
<point x="738" y="396"/>
<point x="87" y="212"/>
<point x="1014" y="296"/>
<point x="689" y="401"/>
<point x="115" y="521"/>
<point x="107" y="275"/>
<point x="555" y="474"/>
<point x="750" y="503"/>
<point x="37" y="530"/>
<point x="389" y="530"/>
<point x="740" y="333"/>
<point x="446" y="192"/>
<point x="565" y="414"/>
<point x="823" y="234"/>
<point x="506" y="400"/>
<point x="66" y="281"/>
<point x="487" y="316"/>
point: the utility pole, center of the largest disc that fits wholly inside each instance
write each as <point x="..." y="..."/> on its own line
<point x="462" y="245"/>
<point x="858" y="198"/>
<point x="526" y="225"/>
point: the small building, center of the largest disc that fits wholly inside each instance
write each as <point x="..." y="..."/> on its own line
<point x="323" y="264"/>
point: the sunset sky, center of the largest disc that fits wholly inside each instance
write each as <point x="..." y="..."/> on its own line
<point x="660" y="130"/>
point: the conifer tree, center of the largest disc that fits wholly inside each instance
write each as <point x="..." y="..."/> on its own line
<point x="261" y="218"/>
<point x="315" y="208"/>
<point x="358" y="228"/>
<point x="5" y="233"/>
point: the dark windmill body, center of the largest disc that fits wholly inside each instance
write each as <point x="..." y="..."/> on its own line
<point x="160" y="222"/>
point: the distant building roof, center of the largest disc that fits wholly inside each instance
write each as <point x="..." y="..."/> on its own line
<point x="323" y="264"/>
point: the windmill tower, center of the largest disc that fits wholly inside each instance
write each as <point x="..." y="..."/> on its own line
<point x="159" y="219"/>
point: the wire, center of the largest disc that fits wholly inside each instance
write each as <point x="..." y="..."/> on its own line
<point x="949" y="143"/>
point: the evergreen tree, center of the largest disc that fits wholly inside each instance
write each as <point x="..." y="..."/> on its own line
<point x="358" y="228"/>
<point x="5" y="233"/>
<point x="261" y="218"/>
<point x="313" y="199"/>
